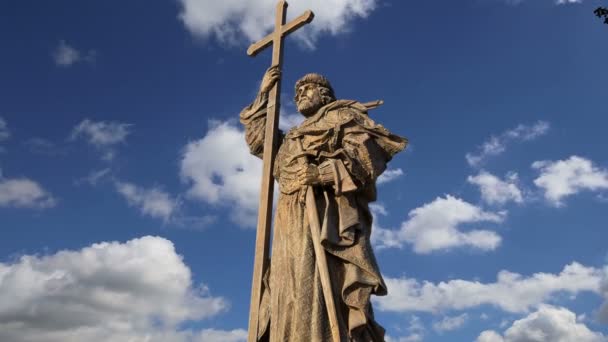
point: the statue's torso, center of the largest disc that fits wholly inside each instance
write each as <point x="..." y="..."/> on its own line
<point x="315" y="139"/>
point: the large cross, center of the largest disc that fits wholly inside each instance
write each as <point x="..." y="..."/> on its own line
<point x="262" y="241"/>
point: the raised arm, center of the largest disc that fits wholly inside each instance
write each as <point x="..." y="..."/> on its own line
<point x="253" y="117"/>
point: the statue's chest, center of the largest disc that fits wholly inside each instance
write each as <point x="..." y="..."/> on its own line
<point x="298" y="150"/>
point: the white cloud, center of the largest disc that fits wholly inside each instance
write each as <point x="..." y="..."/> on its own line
<point x="416" y="331"/>
<point x="450" y="323"/>
<point x="523" y="132"/>
<point x="496" y="191"/>
<point x="511" y="292"/>
<point x="489" y="336"/>
<point x="102" y="135"/>
<point x="140" y="290"/>
<point x="287" y="121"/>
<point x="65" y="55"/>
<point x="389" y="176"/>
<point x="212" y="335"/>
<point x="21" y="192"/>
<point x="435" y="226"/>
<point x="378" y="209"/>
<point x="567" y="177"/>
<point x="498" y="144"/>
<point x="152" y="202"/>
<point x="24" y="193"/>
<point x="94" y="177"/>
<point x="4" y="132"/>
<point x="232" y="21"/>
<point x="548" y="323"/>
<point x="221" y="171"/>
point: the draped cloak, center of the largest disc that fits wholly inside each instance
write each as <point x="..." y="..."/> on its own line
<point x="351" y="151"/>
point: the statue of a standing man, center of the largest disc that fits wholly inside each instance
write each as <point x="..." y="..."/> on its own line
<point x="338" y="152"/>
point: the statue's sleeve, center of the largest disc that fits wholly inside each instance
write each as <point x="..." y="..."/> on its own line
<point x="253" y="117"/>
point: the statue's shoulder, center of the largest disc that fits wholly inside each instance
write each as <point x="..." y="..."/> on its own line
<point x="339" y="113"/>
<point x="343" y="111"/>
<point x="352" y="117"/>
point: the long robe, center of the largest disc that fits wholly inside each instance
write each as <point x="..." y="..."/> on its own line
<point x="351" y="152"/>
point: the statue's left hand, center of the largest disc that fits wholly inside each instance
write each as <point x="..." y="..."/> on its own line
<point x="308" y="175"/>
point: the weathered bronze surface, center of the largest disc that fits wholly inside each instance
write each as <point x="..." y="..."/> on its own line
<point x="318" y="283"/>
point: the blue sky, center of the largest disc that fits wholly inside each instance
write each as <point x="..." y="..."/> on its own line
<point x="128" y="199"/>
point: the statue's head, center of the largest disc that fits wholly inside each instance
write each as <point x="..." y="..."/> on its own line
<point x="313" y="91"/>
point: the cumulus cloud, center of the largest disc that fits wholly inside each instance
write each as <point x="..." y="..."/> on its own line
<point x="498" y="144"/>
<point x="213" y="335"/>
<point x="221" y="171"/>
<point x="489" y="336"/>
<point x="450" y="323"/>
<point x="140" y="290"/>
<point x="152" y="202"/>
<point x="437" y="226"/>
<point x="65" y="55"/>
<point x="548" y="323"/>
<point x="24" y="193"/>
<point x="389" y="176"/>
<point x="103" y="135"/>
<point x="496" y="191"/>
<point x="564" y="178"/>
<point x="512" y="292"/>
<point x="234" y="21"/>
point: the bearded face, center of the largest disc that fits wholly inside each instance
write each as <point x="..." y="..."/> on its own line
<point x="308" y="99"/>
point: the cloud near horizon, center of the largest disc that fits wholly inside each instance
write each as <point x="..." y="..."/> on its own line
<point x="548" y="323"/>
<point x="139" y="290"/>
<point x="511" y="292"/>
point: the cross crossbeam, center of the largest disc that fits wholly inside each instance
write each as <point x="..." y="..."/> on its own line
<point x="295" y="24"/>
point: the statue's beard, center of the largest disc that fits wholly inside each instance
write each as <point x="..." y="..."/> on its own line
<point x="307" y="107"/>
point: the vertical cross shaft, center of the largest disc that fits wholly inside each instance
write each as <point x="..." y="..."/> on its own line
<point x="262" y="243"/>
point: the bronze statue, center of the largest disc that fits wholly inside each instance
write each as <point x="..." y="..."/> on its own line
<point x="340" y="152"/>
<point x="318" y="283"/>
